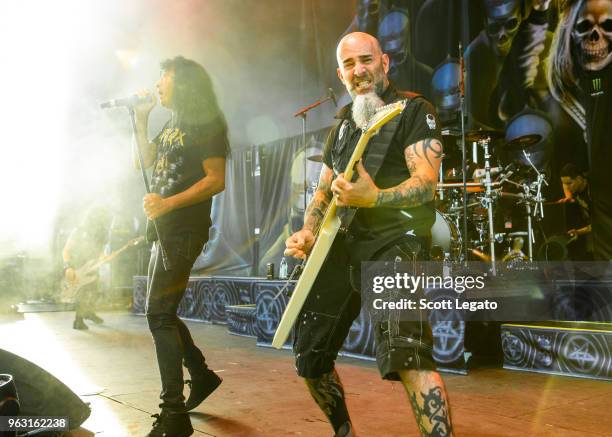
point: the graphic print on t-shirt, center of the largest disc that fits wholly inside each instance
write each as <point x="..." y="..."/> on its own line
<point x="169" y="167"/>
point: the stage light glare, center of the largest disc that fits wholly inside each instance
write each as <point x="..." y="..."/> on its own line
<point x="36" y="88"/>
<point x="128" y="59"/>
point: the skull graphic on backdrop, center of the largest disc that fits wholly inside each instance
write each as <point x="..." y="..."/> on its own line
<point x="404" y="70"/>
<point x="582" y="42"/>
<point x="390" y="22"/>
<point x="503" y="18"/>
<point x="368" y="12"/>
<point x="592" y="35"/>
<point x="504" y="64"/>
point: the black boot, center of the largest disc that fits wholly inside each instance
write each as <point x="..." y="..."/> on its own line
<point x="201" y="386"/>
<point x="345" y="430"/>
<point x="79" y="323"/>
<point x="171" y="425"/>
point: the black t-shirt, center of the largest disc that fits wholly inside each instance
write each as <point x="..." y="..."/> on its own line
<point x="597" y="87"/>
<point x="377" y="227"/>
<point x="181" y="151"/>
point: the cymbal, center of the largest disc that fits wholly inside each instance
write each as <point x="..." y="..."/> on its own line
<point x="523" y="142"/>
<point x="483" y="134"/>
<point x="474" y="131"/>
<point x="315" y="158"/>
<point x="472" y="136"/>
<point x="517" y="234"/>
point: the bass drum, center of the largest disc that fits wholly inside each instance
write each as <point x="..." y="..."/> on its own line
<point x="446" y="236"/>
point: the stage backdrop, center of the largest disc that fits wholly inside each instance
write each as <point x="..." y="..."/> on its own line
<point x="506" y="46"/>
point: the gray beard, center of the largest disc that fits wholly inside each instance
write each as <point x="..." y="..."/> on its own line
<point x="364" y="107"/>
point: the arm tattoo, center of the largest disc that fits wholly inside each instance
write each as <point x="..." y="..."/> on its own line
<point x="428" y="147"/>
<point x="317" y="207"/>
<point x="315" y="212"/>
<point x="434" y="413"/>
<point x="417" y="189"/>
<point x="412" y="192"/>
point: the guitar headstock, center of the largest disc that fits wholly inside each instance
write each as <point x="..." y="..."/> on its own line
<point x="383" y="115"/>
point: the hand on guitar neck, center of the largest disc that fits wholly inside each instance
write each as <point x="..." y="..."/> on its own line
<point x="359" y="194"/>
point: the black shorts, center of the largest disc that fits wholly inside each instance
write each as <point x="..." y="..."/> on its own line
<point x="335" y="301"/>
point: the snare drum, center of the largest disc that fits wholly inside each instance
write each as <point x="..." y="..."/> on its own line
<point x="444" y="234"/>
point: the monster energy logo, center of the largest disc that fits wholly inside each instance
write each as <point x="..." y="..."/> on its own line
<point x="596" y="87"/>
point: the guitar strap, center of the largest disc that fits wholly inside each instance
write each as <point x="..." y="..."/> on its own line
<point x="375" y="153"/>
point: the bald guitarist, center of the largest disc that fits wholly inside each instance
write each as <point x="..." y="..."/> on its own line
<point x="394" y="218"/>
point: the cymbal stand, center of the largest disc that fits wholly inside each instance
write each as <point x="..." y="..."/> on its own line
<point x="538" y="200"/>
<point x="302" y="113"/>
<point x="441" y="179"/>
<point x="489" y="200"/>
<point x="463" y="157"/>
<point x="528" y="199"/>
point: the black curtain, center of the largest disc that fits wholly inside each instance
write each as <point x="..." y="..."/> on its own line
<point x="230" y="249"/>
<point x="282" y="191"/>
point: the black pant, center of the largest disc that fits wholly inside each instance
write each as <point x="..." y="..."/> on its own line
<point x="173" y="342"/>
<point x="85" y="300"/>
<point x="333" y="304"/>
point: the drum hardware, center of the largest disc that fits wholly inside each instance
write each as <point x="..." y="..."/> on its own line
<point x="441" y="178"/>
<point x="456" y="209"/>
<point x="302" y="113"/>
<point x="480" y="255"/>
<point x="460" y="184"/>
<point x="445" y="235"/>
<point x="516" y="251"/>
<point x="517" y="234"/>
<point x="464" y="228"/>
<point x="486" y="133"/>
<point x="481" y="208"/>
<point x="487" y="191"/>
<point x="500" y="236"/>
<point x="488" y="200"/>
<point x="523" y="142"/>
<point x="537" y="199"/>
<point x="310" y="191"/>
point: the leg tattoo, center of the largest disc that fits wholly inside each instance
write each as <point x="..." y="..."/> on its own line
<point x="434" y="411"/>
<point x="328" y="393"/>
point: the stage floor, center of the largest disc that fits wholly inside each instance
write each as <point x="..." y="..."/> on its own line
<point x="113" y="367"/>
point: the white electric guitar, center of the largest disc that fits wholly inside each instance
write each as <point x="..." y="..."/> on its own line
<point x="329" y="228"/>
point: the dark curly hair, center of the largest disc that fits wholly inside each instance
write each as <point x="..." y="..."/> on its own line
<point x="571" y="171"/>
<point x="194" y="100"/>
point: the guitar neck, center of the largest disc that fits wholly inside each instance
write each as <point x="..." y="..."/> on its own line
<point x="110" y="257"/>
<point x="357" y="154"/>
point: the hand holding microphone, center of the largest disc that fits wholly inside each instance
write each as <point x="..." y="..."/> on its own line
<point x="142" y="102"/>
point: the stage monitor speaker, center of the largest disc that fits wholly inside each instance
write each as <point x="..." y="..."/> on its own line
<point x="42" y="394"/>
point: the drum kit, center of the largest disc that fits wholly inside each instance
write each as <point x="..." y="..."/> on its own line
<point x="501" y="182"/>
<point x="475" y="214"/>
<point x="490" y="214"/>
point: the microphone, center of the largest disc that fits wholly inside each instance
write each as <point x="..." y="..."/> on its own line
<point x="126" y="101"/>
<point x="332" y="96"/>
